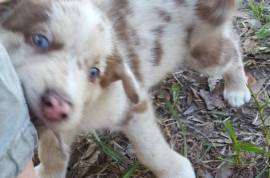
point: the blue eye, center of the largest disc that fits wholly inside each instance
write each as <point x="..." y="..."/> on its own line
<point x="94" y="73"/>
<point x="40" y="41"/>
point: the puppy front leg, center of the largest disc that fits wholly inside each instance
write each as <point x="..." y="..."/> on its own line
<point x="236" y="91"/>
<point x="152" y="149"/>
<point x="53" y="152"/>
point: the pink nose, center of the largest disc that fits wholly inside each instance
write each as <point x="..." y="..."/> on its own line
<point x="54" y="106"/>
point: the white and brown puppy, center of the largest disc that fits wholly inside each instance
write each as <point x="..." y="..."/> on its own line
<point x="88" y="64"/>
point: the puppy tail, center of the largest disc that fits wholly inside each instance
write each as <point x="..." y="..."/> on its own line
<point x="215" y="12"/>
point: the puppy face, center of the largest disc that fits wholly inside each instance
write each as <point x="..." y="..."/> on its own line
<point x="64" y="55"/>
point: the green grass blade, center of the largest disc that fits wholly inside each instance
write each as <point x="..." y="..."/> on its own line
<point x="229" y="128"/>
<point x="131" y="170"/>
<point x="252" y="148"/>
<point x="259" y="11"/>
<point x="175" y="91"/>
<point x="264" y="32"/>
<point x="109" y="151"/>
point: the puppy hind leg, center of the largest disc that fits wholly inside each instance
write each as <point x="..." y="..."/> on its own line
<point x="152" y="149"/>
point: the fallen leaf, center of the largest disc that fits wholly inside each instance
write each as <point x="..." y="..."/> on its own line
<point x="213" y="81"/>
<point x="224" y="172"/>
<point x="211" y="101"/>
<point x="190" y="110"/>
<point x="254" y="84"/>
<point x="249" y="45"/>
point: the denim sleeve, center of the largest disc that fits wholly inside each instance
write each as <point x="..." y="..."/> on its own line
<point x="17" y="134"/>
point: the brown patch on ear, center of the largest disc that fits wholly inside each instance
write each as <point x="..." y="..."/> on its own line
<point x="25" y="15"/>
<point x="111" y="73"/>
<point x="115" y="70"/>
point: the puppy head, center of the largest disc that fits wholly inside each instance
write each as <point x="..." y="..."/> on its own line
<point x="64" y="54"/>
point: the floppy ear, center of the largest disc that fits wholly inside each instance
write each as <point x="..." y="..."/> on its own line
<point x="117" y="70"/>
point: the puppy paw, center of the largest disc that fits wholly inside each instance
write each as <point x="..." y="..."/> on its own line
<point x="182" y="170"/>
<point x="237" y="98"/>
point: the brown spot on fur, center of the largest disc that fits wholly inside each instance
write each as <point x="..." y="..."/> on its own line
<point x="5" y="8"/>
<point x="141" y="107"/>
<point x="55" y="45"/>
<point x="165" y="16"/>
<point x="121" y="8"/>
<point x="179" y="2"/>
<point x="135" y="64"/>
<point x="208" y="55"/>
<point x="25" y="17"/>
<point x="135" y="38"/>
<point x="127" y="118"/>
<point x="219" y="51"/>
<point x="158" y="50"/>
<point x="189" y="33"/>
<point x="123" y="29"/>
<point x="215" y="12"/>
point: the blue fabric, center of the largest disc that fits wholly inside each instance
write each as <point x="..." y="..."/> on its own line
<point x="17" y="134"/>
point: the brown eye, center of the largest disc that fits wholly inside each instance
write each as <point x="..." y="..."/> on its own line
<point x="93" y="73"/>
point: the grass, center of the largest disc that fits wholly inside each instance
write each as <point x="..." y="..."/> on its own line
<point x="106" y="148"/>
<point x="116" y="156"/>
<point x="235" y="143"/>
<point x="238" y="147"/>
<point x="131" y="170"/>
<point x="264" y="32"/>
<point x="261" y="13"/>
<point x="175" y="91"/>
<point x="262" y="150"/>
<point x="259" y="10"/>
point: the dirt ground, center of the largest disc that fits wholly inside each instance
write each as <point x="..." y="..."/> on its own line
<point x="191" y="115"/>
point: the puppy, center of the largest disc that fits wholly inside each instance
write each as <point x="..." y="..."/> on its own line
<point x="88" y="65"/>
